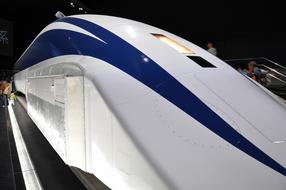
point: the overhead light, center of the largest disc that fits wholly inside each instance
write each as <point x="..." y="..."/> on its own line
<point x="180" y="48"/>
<point x="72" y="4"/>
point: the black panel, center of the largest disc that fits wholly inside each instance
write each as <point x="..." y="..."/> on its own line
<point x="200" y="61"/>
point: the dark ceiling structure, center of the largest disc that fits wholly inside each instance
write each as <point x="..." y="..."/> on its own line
<point x="238" y="29"/>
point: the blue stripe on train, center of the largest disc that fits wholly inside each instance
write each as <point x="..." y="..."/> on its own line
<point x="127" y="58"/>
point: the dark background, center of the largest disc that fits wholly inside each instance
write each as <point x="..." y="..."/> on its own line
<point x="238" y="29"/>
<point x="6" y="38"/>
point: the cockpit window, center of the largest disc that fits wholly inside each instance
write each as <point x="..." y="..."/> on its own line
<point x="202" y="62"/>
<point x="184" y="50"/>
<point x="174" y="44"/>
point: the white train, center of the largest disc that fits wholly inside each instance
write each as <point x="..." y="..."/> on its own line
<point x="143" y="109"/>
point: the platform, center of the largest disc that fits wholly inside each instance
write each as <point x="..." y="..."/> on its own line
<point x="51" y="171"/>
<point x="10" y="171"/>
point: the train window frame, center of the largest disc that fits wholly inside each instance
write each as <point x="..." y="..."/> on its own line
<point x="173" y="43"/>
<point x="201" y="62"/>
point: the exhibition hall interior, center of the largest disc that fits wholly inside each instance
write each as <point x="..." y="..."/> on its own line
<point x="142" y="95"/>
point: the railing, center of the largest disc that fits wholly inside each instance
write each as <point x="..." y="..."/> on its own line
<point x="256" y="59"/>
<point x="282" y="81"/>
<point x="275" y="74"/>
<point x="272" y="70"/>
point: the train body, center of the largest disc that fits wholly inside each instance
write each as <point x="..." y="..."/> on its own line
<point x="143" y="109"/>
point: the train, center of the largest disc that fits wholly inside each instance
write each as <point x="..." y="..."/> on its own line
<point x="143" y="109"/>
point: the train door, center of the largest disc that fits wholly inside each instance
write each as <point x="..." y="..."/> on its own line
<point x="55" y="102"/>
<point x="74" y="121"/>
<point x="46" y="106"/>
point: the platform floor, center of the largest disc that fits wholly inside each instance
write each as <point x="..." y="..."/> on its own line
<point x="11" y="177"/>
<point x="52" y="172"/>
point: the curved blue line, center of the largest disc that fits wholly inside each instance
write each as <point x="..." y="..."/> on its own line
<point x="127" y="58"/>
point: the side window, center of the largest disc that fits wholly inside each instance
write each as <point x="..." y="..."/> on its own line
<point x="202" y="62"/>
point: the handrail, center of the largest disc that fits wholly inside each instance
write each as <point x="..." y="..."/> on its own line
<point x="255" y="58"/>
<point x="242" y="59"/>
<point x="263" y="65"/>
<point x="283" y="81"/>
<point x="273" y="62"/>
<point x="266" y="66"/>
<point x="274" y="70"/>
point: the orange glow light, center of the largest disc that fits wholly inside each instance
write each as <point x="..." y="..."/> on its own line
<point x="180" y="48"/>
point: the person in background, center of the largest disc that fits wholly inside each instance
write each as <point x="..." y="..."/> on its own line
<point x="257" y="73"/>
<point x="12" y="98"/>
<point x="242" y="71"/>
<point x="211" y="48"/>
<point x="253" y="71"/>
<point x="1" y="95"/>
<point x="6" y="92"/>
<point x="250" y="70"/>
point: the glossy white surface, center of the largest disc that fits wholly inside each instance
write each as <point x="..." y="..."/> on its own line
<point x="136" y="139"/>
